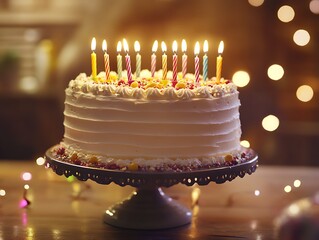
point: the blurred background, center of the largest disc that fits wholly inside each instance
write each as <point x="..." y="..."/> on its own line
<point x="271" y="53"/>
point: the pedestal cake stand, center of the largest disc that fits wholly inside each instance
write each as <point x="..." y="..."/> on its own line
<point x="149" y="207"/>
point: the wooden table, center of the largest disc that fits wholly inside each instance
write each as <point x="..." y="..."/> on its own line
<point x="62" y="209"/>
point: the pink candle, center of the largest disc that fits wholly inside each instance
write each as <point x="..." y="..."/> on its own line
<point x="128" y="62"/>
<point x="106" y="60"/>
<point x="184" y="58"/>
<point x="196" y="51"/>
<point x="174" y="62"/>
<point x="153" y="58"/>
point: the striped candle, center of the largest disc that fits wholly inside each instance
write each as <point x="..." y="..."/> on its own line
<point x="164" y="60"/>
<point x="119" y="60"/>
<point x="128" y="62"/>
<point x="196" y="51"/>
<point x="174" y="62"/>
<point x="153" y="58"/>
<point x="106" y="60"/>
<point x="137" y="49"/>
<point x="205" y="61"/>
<point x="184" y="58"/>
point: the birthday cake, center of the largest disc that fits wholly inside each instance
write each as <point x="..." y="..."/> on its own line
<point x="151" y="123"/>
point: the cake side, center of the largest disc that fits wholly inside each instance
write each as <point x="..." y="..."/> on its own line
<point x="121" y="124"/>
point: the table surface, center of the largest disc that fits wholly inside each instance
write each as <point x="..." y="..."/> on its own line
<point x="64" y="208"/>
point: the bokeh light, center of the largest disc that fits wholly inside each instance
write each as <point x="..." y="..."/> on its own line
<point x="2" y="192"/>
<point x="26" y="176"/>
<point x="297" y="183"/>
<point x="314" y="6"/>
<point x="26" y="186"/>
<point x="256" y="3"/>
<point x="287" y="189"/>
<point x="245" y="143"/>
<point x="275" y="72"/>
<point x="304" y="93"/>
<point x="270" y="123"/>
<point x="257" y="193"/>
<point x="286" y="13"/>
<point x="301" y="37"/>
<point x="40" y="161"/>
<point x="241" y="78"/>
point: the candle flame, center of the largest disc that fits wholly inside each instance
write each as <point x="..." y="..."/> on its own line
<point x="174" y="46"/>
<point x="164" y="48"/>
<point x="125" y="45"/>
<point x="93" y="44"/>
<point x="205" y="47"/>
<point x="221" y="47"/>
<point x="184" y="45"/>
<point x="104" y="45"/>
<point x="119" y="47"/>
<point x="137" y="46"/>
<point x="197" y="48"/>
<point x="155" y="46"/>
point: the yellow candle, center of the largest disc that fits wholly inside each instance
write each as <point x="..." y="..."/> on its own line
<point x="93" y="58"/>
<point x="219" y="62"/>
<point x="164" y="60"/>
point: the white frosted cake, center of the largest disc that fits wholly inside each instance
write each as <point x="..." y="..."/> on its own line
<point x="150" y="124"/>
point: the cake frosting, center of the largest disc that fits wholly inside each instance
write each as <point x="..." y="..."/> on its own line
<point x="151" y="122"/>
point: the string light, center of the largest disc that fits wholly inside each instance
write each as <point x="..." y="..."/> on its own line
<point x="270" y="123"/>
<point x="301" y="37"/>
<point x="286" y="13"/>
<point x="275" y="72"/>
<point x="241" y="78"/>
<point x="304" y="93"/>
<point x="297" y="183"/>
<point x="287" y="189"/>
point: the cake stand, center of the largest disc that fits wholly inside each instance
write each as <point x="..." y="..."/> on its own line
<point x="148" y="207"/>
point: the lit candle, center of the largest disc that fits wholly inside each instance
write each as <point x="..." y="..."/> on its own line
<point x="174" y="47"/>
<point x="205" y="60"/>
<point x="106" y="60"/>
<point x="128" y="62"/>
<point x="184" y="58"/>
<point x="153" y="58"/>
<point x="137" y="49"/>
<point x="164" y="60"/>
<point x="119" y="60"/>
<point x="219" y="62"/>
<point x="196" y="51"/>
<point x="93" y="58"/>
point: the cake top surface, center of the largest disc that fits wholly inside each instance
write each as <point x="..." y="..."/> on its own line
<point x="147" y="87"/>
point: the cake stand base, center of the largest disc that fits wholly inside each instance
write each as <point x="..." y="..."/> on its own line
<point x="148" y="209"/>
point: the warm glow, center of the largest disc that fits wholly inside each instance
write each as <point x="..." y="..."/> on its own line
<point x="287" y="189"/>
<point x="257" y="193"/>
<point x="119" y="47"/>
<point x="270" y="123"/>
<point x="297" y="183"/>
<point x="197" y="48"/>
<point x="275" y="72"/>
<point x="256" y="3"/>
<point x="301" y="37"/>
<point x="2" y="193"/>
<point x="164" y="48"/>
<point x="137" y="46"/>
<point x="125" y="45"/>
<point x="155" y="46"/>
<point x="40" y="161"/>
<point x="241" y="78"/>
<point x="245" y="143"/>
<point x="221" y="47"/>
<point x="304" y="93"/>
<point x="205" y="47"/>
<point x="314" y="6"/>
<point x="93" y="44"/>
<point x="26" y="187"/>
<point x="26" y="176"/>
<point x="286" y="13"/>
<point x="174" y="47"/>
<point x="184" y="45"/>
<point x="104" y="45"/>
